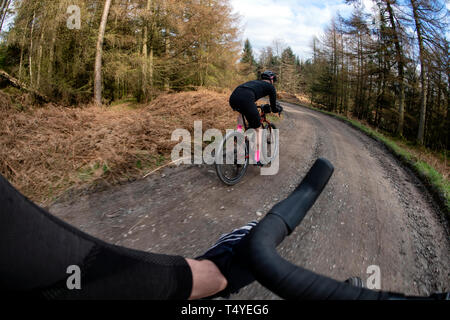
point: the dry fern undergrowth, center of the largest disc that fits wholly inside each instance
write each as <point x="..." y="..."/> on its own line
<point x="46" y="151"/>
<point x="292" y="98"/>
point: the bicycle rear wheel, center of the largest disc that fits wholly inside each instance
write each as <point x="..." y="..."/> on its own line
<point x="232" y="159"/>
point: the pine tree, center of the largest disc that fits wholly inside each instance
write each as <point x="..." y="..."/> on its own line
<point x="247" y="55"/>
<point x="248" y="63"/>
<point x="289" y="71"/>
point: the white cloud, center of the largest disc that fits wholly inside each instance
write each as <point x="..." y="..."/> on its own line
<point x="262" y="9"/>
<point x="294" y="21"/>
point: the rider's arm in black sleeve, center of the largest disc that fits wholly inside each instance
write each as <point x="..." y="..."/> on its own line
<point x="273" y="97"/>
<point x="36" y="250"/>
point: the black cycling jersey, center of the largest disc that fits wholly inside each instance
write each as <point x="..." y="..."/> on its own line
<point x="262" y="89"/>
<point x="37" y="248"/>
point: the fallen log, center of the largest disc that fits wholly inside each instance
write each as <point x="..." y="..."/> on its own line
<point x="20" y="85"/>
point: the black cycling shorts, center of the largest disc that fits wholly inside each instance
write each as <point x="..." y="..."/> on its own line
<point x="243" y="101"/>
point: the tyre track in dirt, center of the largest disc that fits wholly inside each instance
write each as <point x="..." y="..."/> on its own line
<point x="373" y="211"/>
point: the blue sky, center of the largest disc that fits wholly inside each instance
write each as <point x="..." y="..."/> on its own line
<point x="293" y="21"/>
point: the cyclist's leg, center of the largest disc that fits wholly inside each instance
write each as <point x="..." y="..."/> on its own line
<point x="240" y="122"/>
<point x="250" y="111"/>
<point x="240" y="127"/>
<point x="243" y="101"/>
<point x="239" y="119"/>
<point x="258" y="145"/>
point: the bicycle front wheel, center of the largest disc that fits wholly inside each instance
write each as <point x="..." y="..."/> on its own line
<point x="270" y="147"/>
<point x="232" y="159"/>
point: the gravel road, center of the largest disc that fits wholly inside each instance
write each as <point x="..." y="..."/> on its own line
<point x="373" y="212"/>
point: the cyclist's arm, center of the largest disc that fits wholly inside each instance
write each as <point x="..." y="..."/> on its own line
<point x="273" y="97"/>
<point x="36" y="250"/>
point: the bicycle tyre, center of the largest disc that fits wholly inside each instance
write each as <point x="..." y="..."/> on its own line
<point x="220" y="168"/>
<point x="271" y="127"/>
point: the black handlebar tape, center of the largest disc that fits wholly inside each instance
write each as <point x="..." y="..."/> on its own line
<point x="285" y="279"/>
<point x="293" y="209"/>
<point x="258" y="249"/>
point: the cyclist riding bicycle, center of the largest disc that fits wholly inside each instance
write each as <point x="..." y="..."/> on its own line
<point x="243" y="100"/>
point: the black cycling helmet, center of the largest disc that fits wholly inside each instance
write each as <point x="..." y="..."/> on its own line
<point x="269" y="75"/>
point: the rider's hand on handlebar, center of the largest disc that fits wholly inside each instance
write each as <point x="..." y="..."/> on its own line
<point x="278" y="109"/>
<point x="223" y="254"/>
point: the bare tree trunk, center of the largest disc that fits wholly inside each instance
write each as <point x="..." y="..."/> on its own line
<point x="439" y="88"/>
<point x="400" y="63"/>
<point x="447" y="118"/>
<point x="206" y="65"/>
<point x="150" y="66"/>
<point x="335" y="69"/>
<point x="150" y="60"/>
<point x="423" y="94"/>
<point x="38" y="82"/>
<point x="166" y="76"/>
<point x="145" y="65"/>
<point x="359" y="85"/>
<point x="341" y="107"/>
<point x="429" y="107"/>
<point x="4" y="11"/>
<point x="98" y="56"/>
<point x="54" y="30"/>
<point x="51" y="55"/>
<point x="2" y="7"/>
<point x="22" y="45"/>
<point x="30" y="54"/>
<point x="144" y="61"/>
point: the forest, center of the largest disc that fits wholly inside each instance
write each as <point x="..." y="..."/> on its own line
<point x="388" y="67"/>
<point x="124" y="48"/>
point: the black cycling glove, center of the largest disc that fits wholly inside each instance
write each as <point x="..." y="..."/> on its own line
<point x="223" y="254"/>
<point x="278" y="108"/>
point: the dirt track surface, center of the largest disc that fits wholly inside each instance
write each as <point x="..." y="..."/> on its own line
<point x="373" y="211"/>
